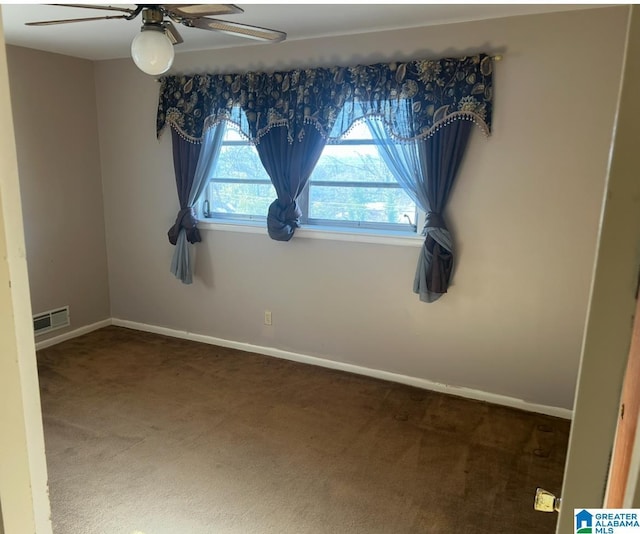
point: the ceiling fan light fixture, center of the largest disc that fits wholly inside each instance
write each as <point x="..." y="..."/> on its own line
<point x="151" y="50"/>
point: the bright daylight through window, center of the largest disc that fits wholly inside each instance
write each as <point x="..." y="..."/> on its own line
<point x="350" y="187"/>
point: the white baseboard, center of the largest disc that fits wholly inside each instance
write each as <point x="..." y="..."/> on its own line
<point x="72" y="333"/>
<point x="356" y="369"/>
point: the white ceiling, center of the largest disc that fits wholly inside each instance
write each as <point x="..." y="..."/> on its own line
<point x="109" y="39"/>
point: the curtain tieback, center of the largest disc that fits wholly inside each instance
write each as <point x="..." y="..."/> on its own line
<point x="283" y="220"/>
<point x="434" y="220"/>
<point x="186" y="220"/>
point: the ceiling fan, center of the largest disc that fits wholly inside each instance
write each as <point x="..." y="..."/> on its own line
<point x="152" y="49"/>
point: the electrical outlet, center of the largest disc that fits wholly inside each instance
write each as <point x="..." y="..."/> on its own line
<point x="267" y="317"/>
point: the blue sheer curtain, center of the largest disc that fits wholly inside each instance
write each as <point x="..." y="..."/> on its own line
<point x="192" y="176"/>
<point x="426" y="170"/>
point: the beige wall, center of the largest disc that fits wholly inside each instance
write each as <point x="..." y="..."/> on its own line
<point x="525" y="213"/>
<point x="54" y="109"/>
<point x="612" y="307"/>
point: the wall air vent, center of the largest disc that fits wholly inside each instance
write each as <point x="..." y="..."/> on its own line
<point x="51" y="320"/>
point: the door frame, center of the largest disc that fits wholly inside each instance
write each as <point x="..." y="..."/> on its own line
<point x="609" y="325"/>
<point x="23" y="471"/>
<point x="626" y="431"/>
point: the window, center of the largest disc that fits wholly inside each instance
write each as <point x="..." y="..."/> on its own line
<point x="241" y="188"/>
<point x="351" y="187"/>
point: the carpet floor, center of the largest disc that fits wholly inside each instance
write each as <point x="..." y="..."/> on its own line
<point x="147" y="434"/>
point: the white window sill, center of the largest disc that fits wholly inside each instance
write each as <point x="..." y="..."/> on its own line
<point x="362" y="235"/>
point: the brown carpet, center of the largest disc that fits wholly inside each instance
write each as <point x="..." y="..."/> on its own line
<point x="154" y="435"/>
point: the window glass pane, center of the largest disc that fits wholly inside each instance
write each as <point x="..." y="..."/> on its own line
<point x="360" y="130"/>
<point x="240" y="162"/>
<point x="353" y="166"/>
<point x="240" y="199"/>
<point x="231" y="134"/>
<point x="356" y="159"/>
<point x="348" y="164"/>
<point x="360" y="204"/>
<point x="351" y="163"/>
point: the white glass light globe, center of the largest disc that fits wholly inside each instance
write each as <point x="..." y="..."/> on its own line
<point x="152" y="51"/>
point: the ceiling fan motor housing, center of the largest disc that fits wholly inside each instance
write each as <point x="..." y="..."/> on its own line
<point x="152" y="18"/>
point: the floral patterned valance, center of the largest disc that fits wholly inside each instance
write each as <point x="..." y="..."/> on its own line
<point x="412" y="98"/>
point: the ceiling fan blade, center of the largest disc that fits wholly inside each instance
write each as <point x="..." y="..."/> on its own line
<point x="67" y="21"/>
<point x="104" y="8"/>
<point x="201" y="10"/>
<point x="172" y="33"/>
<point x="234" y="28"/>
